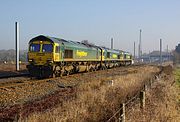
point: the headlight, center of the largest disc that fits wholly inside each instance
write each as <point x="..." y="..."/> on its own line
<point x="49" y="61"/>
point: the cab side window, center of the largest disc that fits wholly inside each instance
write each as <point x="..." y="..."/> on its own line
<point x="125" y="56"/>
<point x="57" y="49"/>
<point x="68" y="53"/>
<point x="108" y="55"/>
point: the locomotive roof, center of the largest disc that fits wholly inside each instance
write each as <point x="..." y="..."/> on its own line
<point x="112" y="50"/>
<point x="66" y="42"/>
<point x="74" y="43"/>
<point x="42" y="37"/>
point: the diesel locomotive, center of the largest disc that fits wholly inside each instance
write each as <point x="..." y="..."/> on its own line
<point x="53" y="57"/>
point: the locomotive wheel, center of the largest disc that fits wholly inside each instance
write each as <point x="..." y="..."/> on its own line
<point x="61" y="73"/>
<point x="56" y="71"/>
<point x="67" y="73"/>
<point x="103" y="68"/>
<point x="55" y="74"/>
<point x="91" y="69"/>
<point x="88" y="68"/>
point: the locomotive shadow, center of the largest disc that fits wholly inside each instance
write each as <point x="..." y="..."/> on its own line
<point x="11" y="73"/>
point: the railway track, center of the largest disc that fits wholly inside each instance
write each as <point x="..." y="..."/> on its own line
<point x="13" y="81"/>
<point x="27" y="74"/>
<point x="24" y="89"/>
<point x="10" y="82"/>
<point x="14" y="75"/>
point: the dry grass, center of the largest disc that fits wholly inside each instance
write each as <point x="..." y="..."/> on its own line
<point x="162" y="103"/>
<point x="97" y="100"/>
<point x="11" y="67"/>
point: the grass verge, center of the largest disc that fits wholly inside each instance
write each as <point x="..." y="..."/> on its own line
<point x="97" y="100"/>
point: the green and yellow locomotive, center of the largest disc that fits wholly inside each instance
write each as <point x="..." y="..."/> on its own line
<point x="52" y="57"/>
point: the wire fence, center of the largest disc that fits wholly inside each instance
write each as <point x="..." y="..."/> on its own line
<point x="139" y="96"/>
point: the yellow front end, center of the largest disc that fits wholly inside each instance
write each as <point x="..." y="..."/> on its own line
<point x="40" y="53"/>
<point x="121" y="56"/>
<point x="40" y="58"/>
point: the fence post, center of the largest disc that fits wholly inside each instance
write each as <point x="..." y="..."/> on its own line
<point x="142" y="99"/>
<point x="122" y="113"/>
<point x="16" y="118"/>
<point x="145" y="87"/>
<point x="151" y="83"/>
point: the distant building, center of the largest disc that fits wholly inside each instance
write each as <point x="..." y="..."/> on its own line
<point x="178" y="48"/>
<point x="177" y="55"/>
<point x="154" y="56"/>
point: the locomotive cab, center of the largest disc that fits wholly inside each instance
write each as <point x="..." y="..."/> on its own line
<point x="42" y="54"/>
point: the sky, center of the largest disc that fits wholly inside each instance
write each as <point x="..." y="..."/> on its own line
<point x="94" y="20"/>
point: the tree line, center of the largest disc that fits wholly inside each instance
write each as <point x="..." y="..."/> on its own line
<point x="177" y="54"/>
<point x="10" y="56"/>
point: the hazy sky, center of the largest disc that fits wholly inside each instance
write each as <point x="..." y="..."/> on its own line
<point x="93" y="20"/>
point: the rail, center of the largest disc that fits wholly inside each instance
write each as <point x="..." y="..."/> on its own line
<point x="14" y="75"/>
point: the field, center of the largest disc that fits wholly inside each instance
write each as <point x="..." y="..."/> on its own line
<point x="93" y="96"/>
<point x="10" y="69"/>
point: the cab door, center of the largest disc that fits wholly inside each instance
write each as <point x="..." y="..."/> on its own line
<point x="121" y="56"/>
<point x="56" y="52"/>
<point x="62" y="52"/>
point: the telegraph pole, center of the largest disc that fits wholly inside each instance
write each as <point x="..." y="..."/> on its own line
<point x="167" y="53"/>
<point x="139" y="51"/>
<point x="160" y="51"/>
<point x="17" y="45"/>
<point x="134" y="50"/>
<point x="140" y="44"/>
<point x="111" y="43"/>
